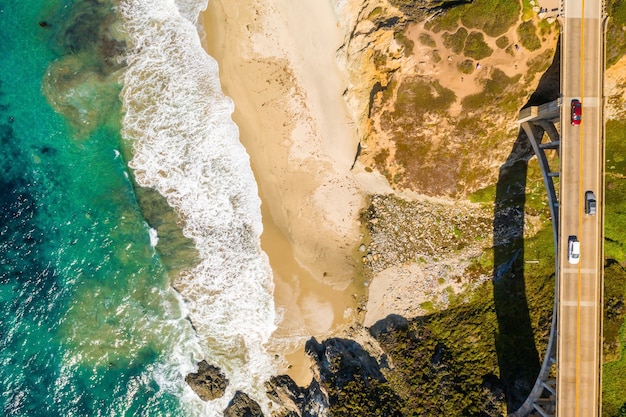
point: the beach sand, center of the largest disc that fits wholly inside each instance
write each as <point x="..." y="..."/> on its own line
<point x="277" y="62"/>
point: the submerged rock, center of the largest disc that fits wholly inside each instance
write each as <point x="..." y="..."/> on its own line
<point x="209" y="382"/>
<point x="243" y="406"/>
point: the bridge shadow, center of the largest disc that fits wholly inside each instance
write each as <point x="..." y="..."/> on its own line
<point x="518" y="358"/>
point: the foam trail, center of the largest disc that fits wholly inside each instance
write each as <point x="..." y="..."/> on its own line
<point x="187" y="147"/>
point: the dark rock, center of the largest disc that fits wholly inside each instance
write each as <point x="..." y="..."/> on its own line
<point x="391" y="323"/>
<point x="295" y="401"/>
<point x="243" y="406"/>
<point x="209" y="382"/>
<point x="284" y="391"/>
<point x="343" y="360"/>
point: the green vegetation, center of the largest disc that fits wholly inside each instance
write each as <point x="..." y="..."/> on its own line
<point x="615" y="209"/>
<point x="494" y="17"/>
<point x="615" y="35"/>
<point x="380" y="59"/>
<point x="502" y="42"/>
<point x="614" y="369"/>
<point x="455" y="41"/>
<point x="360" y="397"/>
<point x="528" y="35"/>
<point x="427" y="40"/>
<point x="418" y="97"/>
<point x="406" y="43"/>
<point x="418" y="11"/>
<point x="466" y="67"/>
<point x="539" y="64"/>
<point x="377" y="11"/>
<point x="447" y="21"/>
<point x="475" y="46"/>
<point x="614" y="309"/>
<point x="500" y="91"/>
<point x="446" y="364"/>
<point x="436" y="57"/>
<point x="545" y="28"/>
<point x="527" y="10"/>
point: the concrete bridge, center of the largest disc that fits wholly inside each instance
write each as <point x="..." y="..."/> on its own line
<point x="569" y="382"/>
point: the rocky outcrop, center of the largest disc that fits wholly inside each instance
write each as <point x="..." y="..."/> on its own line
<point x="368" y="27"/>
<point x="342" y="360"/>
<point x="372" y="50"/>
<point x="295" y="401"/>
<point x="243" y="406"/>
<point x="209" y="382"/>
<point x="284" y="391"/>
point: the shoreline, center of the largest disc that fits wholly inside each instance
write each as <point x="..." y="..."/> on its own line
<point x="296" y="129"/>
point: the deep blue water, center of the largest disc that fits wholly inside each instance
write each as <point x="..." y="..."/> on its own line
<point x="87" y="322"/>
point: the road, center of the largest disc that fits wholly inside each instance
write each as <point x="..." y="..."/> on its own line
<point x="579" y="345"/>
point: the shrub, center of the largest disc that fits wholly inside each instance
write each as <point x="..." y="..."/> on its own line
<point x="494" y="17"/>
<point x="502" y="42"/>
<point x="475" y="46"/>
<point x="406" y="43"/>
<point x="466" y="67"/>
<point x="427" y="40"/>
<point x="527" y="34"/>
<point x="456" y="41"/>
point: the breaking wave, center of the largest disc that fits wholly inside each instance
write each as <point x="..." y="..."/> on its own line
<point x="186" y="146"/>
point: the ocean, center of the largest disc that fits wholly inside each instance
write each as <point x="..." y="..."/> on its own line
<point x="130" y="219"/>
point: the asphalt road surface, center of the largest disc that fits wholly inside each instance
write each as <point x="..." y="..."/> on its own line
<point x="579" y="345"/>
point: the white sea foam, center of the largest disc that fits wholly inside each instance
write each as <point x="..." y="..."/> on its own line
<point x="154" y="237"/>
<point x="186" y="146"/>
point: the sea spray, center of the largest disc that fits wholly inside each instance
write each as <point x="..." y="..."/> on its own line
<point x="186" y="146"/>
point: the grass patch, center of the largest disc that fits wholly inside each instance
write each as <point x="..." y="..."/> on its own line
<point x="499" y="90"/>
<point x="502" y="42"/>
<point x="541" y="62"/>
<point x="615" y="35"/>
<point x="614" y="309"/>
<point x="466" y="67"/>
<point x="455" y="41"/>
<point x="418" y="96"/>
<point x="446" y="21"/>
<point x="376" y="11"/>
<point x="545" y="27"/>
<point x="615" y="209"/>
<point x="475" y="46"/>
<point x="379" y="59"/>
<point x="494" y="17"/>
<point x="527" y="10"/>
<point x="407" y="44"/>
<point x="528" y="35"/>
<point x="484" y="195"/>
<point x="614" y="372"/>
<point x="436" y="57"/>
<point x="427" y="40"/>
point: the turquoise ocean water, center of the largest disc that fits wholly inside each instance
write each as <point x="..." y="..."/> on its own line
<point x="89" y="323"/>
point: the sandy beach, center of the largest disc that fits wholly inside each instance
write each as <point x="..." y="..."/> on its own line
<point x="277" y="62"/>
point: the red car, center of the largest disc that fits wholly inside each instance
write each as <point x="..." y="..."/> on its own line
<point x="577" y="112"/>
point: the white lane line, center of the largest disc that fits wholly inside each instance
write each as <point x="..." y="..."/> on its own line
<point x="582" y="270"/>
<point x="574" y="303"/>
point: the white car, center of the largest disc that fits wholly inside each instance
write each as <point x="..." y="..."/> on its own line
<point x="573" y="250"/>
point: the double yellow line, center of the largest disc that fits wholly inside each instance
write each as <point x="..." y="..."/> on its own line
<point x="580" y="195"/>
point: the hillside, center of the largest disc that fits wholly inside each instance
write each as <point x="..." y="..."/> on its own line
<point x="459" y="257"/>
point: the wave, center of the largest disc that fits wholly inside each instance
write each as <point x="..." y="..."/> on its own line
<point x="186" y="146"/>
